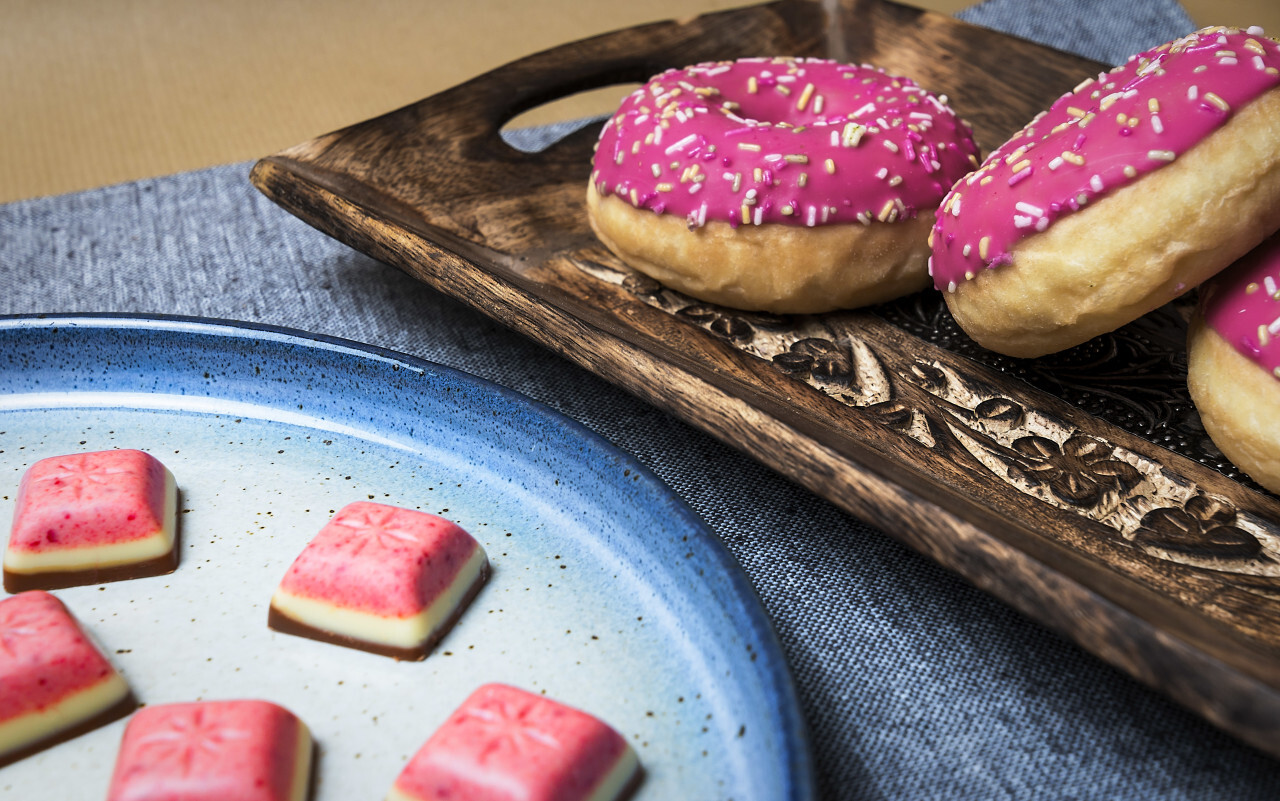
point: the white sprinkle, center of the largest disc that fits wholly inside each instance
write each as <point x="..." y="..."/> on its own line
<point x="825" y="211"/>
<point x="751" y="194"/>
<point x="1255" y="30"/>
<point x="882" y="172"/>
<point x="813" y="216"/>
<point x="951" y="286"/>
<point x="1020" y="221"/>
<point x="657" y="136"/>
<point x="1055" y="163"/>
<point x="1027" y="208"/>
<point x="695" y="188"/>
<point x="955" y="206"/>
<point x="642" y="119"/>
<point x="1095" y="183"/>
<point x="1270" y="284"/>
<point x="1274" y="327"/>
<point x="864" y="218"/>
<point x="682" y="144"/>
<point x="867" y="109"/>
<point x="891" y="146"/>
<point x="759" y="215"/>
<point x="1156" y="124"/>
<point x="1193" y="92"/>
<point x="1042" y="223"/>
<point x="1259" y="63"/>
<point x="1228" y="61"/>
<point x="835" y="138"/>
<point x="702" y="215"/>
<point x="966" y="250"/>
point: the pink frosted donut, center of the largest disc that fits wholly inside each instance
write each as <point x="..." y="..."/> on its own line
<point x="778" y="184"/>
<point x="1233" y="366"/>
<point x="1128" y="191"/>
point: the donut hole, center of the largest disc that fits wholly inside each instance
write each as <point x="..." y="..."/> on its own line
<point x="536" y="129"/>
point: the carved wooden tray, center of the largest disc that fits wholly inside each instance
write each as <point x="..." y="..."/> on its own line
<point x="1078" y="488"/>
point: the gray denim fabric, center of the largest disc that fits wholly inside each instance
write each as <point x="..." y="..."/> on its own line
<point x="915" y="684"/>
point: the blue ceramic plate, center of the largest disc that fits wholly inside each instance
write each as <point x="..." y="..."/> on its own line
<point x="607" y="592"/>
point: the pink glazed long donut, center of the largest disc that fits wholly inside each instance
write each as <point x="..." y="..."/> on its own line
<point x="1130" y="190"/>
<point x="777" y="184"/>
<point x="1233" y="364"/>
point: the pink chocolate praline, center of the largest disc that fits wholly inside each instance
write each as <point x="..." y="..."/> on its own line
<point x="782" y="140"/>
<point x="1105" y="134"/>
<point x="1243" y="305"/>
<point x="85" y="518"/>
<point x="506" y="744"/>
<point x="380" y="578"/>
<point x="213" y="751"/>
<point x="54" y="682"/>
<point x="380" y="559"/>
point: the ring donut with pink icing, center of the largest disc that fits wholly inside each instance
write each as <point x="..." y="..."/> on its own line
<point x="1233" y="365"/>
<point x="781" y="184"/>
<point x="1129" y="190"/>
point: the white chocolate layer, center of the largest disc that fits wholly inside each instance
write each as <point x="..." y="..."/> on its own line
<point x="80" y="706"/>
<point x="301" y="764"/>
<point x="100" y="556"/>
<point x="395" y="632"/>
<point x="609" y="788"/>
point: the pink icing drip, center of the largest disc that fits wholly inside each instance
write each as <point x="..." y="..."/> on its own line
<point x="857" y="144"/>
<point x="44" y="656"/>
<point x="380" y="559"/>
<point x="85" y="499"/>
<point x="1139" y="116"/>
<point x="1243" y="305"/>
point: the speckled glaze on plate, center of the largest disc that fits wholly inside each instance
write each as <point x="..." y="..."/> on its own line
<point x="607" y="592"/>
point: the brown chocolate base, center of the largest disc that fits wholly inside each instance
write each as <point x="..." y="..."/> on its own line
<point x="279" y="621"/>
<point x="112" y="713"/>
<point x="15" y="582"/>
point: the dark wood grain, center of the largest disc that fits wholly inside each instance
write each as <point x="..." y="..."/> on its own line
<point x="1155" y="562"/>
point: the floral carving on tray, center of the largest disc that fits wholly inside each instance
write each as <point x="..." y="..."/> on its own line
<point x="1149" y="509"/>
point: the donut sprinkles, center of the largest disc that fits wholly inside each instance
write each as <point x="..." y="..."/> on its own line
<point x="790" y="141"/>
<point x="1105" y="134"/>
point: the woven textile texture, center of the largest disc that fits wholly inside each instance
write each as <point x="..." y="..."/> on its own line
<point x="915" y="685"/>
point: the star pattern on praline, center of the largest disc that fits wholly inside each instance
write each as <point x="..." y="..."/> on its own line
<point x="181" y="740"/>
<point x="510" y="727"/>
<point x="378" y="528"/>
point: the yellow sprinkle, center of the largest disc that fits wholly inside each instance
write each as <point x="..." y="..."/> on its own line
<point x="888" y="213"/>
<point x="1022" y="165"/>
<point x="1075" y="112"/>
<point x="758" y="174"/>
<point x="635" y="199"/>
<point x="1217" y="101"/>
<point x="802" y="180"/>
<point x="1015" y="155"/>
<point x="787" y="210"/>
<point x="984" y="244"/>
<point x="635" y="147"/>
<point x="805" y="94"/>
<point x="1121" y="118"/>
<point x="895" y="180"/>
<point x="1086" y="119"/>
<point x="986" y="179"/>
<point x="748" y="146"/>
<point x="1132" y="122"/>
<point x="831" y="166"/>
<point x="737" y="181"/>
<point x="1272" y="71"/>
<point x="618" y="160"/>
<point x="664" y="187"/>
<point x="1153" y="105"/>
<point x="796" y="159"/>
<point x="784" y="90"/>
<point x="1074" y="158"/>
<point x="1255" y="46"/>
<point x="1129" y="171"/>
<point x="1251" y="288"/>
<point x="891" y="146"/>
<point x="1263" y="337"/>
<point x="1161" y="155"/>
<point x="1082" y="199"/>
<point x="746" y="214"/>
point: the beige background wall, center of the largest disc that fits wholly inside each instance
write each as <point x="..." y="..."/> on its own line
<point x="94" y="92"/>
